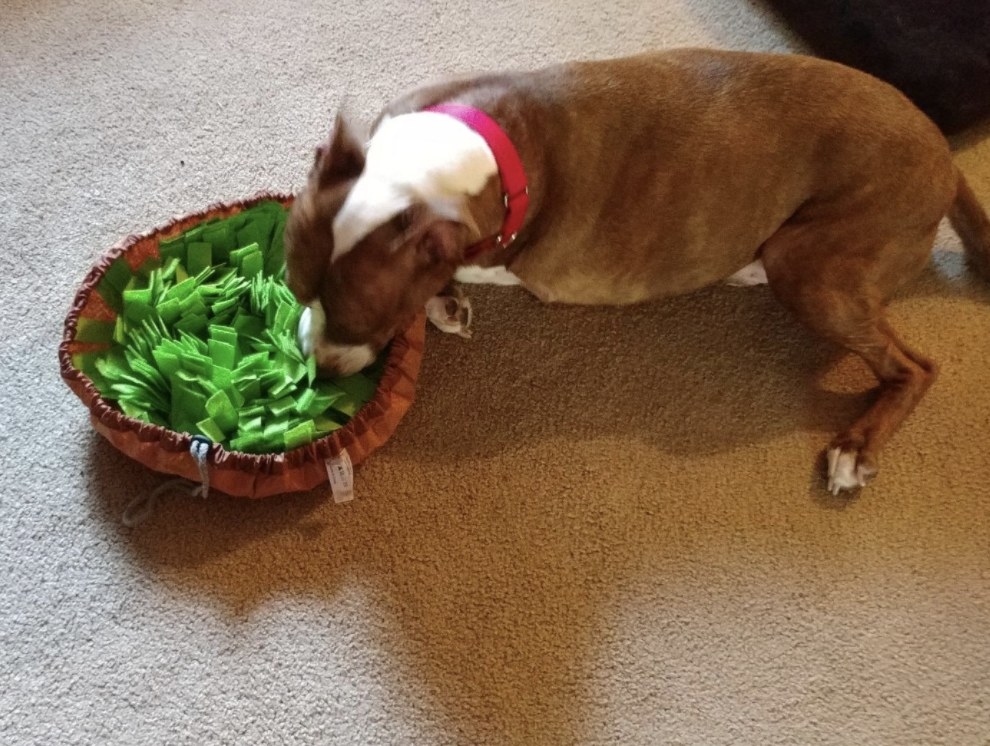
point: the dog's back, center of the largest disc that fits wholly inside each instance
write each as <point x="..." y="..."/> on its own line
<point x="627" y="149"/>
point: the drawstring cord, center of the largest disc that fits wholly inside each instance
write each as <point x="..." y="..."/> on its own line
<point x="200" y="450"/>
<point x="143" y="507"/>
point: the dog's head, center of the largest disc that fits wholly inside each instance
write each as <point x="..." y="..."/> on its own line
<point x="378" y="231"/>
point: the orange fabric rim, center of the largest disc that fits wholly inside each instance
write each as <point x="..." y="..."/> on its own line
<point x="232" y="472"/>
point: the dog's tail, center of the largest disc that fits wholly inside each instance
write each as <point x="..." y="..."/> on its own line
<point x="970" y="221"/>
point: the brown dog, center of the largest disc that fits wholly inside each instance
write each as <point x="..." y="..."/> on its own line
<point x="647" y="176"/>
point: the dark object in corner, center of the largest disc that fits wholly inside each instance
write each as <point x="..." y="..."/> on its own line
<point x="936" y="51"/>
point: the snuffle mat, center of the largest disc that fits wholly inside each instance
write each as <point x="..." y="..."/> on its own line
<point x="185" y="337"/>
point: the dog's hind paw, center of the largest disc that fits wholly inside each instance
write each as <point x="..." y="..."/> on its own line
<point x="848" y="469"/>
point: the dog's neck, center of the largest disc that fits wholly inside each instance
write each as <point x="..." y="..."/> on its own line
<point x="431" y="158"/>
<point x="512" y="172"/>
<point x="486" y="212"/>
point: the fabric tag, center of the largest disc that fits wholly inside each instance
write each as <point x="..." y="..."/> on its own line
<point x="341" y="473"/>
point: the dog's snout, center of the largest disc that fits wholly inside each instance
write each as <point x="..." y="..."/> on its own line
<point x="332" y="359"/>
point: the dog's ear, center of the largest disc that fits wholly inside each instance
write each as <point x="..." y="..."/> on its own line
<point x="308" y="244"/>
<point x="341" y="156"/>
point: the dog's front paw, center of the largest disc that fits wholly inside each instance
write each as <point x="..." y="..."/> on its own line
<point x="848" y="469"/>
<point x="450" y="314"/>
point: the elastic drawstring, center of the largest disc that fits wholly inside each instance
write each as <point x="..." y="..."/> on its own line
<point x="141" y="508"/>
<point x="200" y="450"/>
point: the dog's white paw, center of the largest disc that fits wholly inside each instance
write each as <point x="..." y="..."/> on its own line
<point x="847" y="470"/>
<point x="450" y="314"/>
<point x="753" y="273"/>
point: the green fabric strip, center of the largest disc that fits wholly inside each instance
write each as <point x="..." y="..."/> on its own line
<point x="205" y="341"/>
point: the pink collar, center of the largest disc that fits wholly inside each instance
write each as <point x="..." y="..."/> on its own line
<point x="515" y="190"/>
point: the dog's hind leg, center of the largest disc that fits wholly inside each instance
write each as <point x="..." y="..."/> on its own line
<point x="841" y="294"/>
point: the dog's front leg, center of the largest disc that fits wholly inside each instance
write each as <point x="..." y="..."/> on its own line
<point x="450" y="311"/>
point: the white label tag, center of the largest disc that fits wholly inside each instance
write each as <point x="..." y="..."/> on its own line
<point x="341" y="473"/>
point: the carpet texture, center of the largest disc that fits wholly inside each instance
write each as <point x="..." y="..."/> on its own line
<point x="594" y="526"/>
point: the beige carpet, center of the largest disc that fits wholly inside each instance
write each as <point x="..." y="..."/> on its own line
<point x="594" y="527"/>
